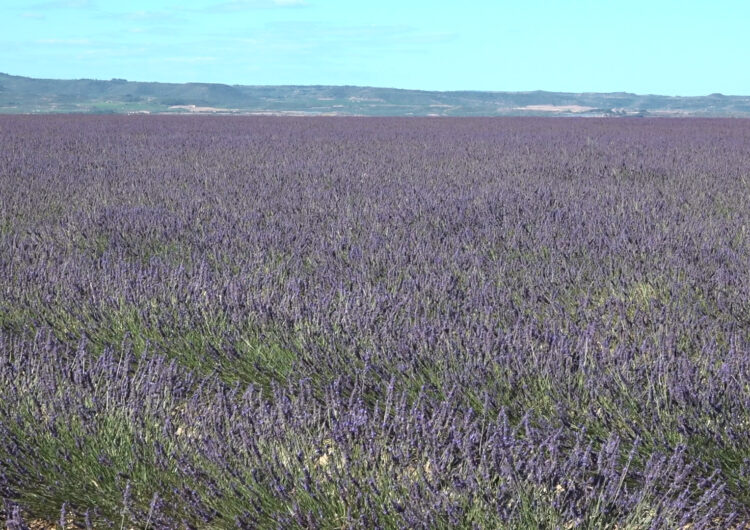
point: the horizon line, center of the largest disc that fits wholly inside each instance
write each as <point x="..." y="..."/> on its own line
<point x="312" y="85"/>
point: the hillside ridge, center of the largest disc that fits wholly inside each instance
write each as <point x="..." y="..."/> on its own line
<point x="25" y="95"/>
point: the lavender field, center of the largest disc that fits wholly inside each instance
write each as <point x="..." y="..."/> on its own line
<point x="266" y="322"/>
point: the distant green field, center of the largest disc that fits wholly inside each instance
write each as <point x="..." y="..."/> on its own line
<point x="26" y="95"/>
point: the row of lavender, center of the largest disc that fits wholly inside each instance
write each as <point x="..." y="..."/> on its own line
<point x="280" y="322"/>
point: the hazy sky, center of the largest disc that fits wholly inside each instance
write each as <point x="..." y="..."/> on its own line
<point x="685" y="47"/>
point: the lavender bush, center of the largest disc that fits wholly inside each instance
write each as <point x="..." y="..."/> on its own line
<point x="263" y="322"/>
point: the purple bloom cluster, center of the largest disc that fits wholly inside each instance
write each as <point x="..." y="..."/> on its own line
<point x="265" y="322"/>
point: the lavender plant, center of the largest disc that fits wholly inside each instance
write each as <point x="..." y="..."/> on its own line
<point x="264" y="322"/>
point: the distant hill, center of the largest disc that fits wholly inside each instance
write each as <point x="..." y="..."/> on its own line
<point x="23" y="95"/>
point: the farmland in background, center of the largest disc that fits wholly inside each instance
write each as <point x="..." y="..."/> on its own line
<point x="25" y="95"/>
<point x="277" y="322"/>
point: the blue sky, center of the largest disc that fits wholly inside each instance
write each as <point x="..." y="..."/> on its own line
<point x="687" y="47"/>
